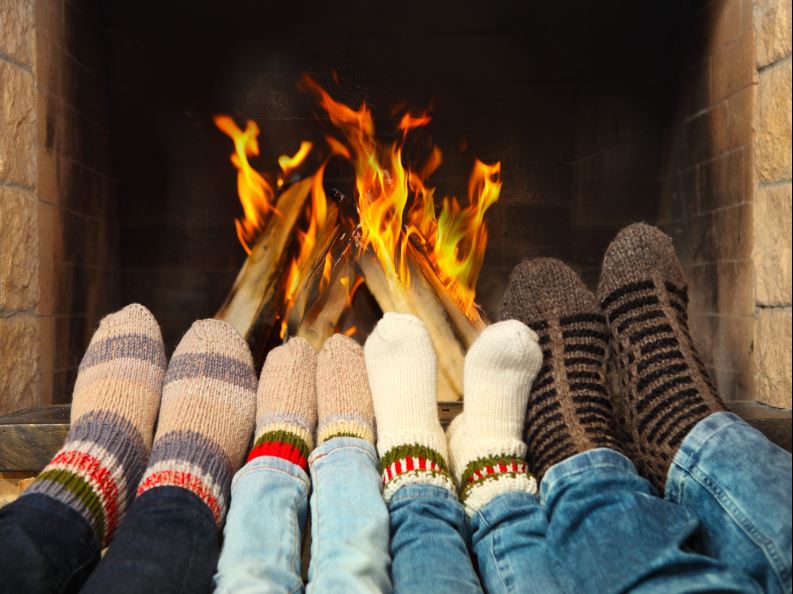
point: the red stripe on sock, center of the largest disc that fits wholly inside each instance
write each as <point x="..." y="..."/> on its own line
<point x="176" y="478"/>
<point x="281" y="450"/>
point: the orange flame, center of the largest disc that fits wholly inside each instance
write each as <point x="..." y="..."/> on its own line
<point x="396" y="207"/>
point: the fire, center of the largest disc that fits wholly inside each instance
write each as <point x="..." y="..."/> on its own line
<point x="397" y="212"/>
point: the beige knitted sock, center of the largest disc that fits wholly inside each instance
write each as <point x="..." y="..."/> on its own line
<point x="115" y="405"/>
<point x="206" y="415"/>
<point x="485" y="441"/>
<point x="344" y="400"/>
<point x="402" y="368"/>
<point x="286" y="404"/>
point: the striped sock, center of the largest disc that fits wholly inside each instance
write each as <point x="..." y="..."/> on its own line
<point x="402" y="368"/>
<point x="667" y="389"/>
<point x="286" y="404"/>
<point x="485" y="446"/>
<point x="569" y="408"/>
<point x="115" y="404"/>
<point x="206" y="416"/>
<point x="344" y="401"/>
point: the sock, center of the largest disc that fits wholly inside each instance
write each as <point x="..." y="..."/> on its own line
<point x="286" y="404"/>
<point x="206" y="415"/>
<point x="569" y="409"/>
<point x="344" y="401"/>
<point x="666" y="387"/>
<point x="403" y="375"/>
<point x="114" y="408"/>
<point x="485" y="442"/>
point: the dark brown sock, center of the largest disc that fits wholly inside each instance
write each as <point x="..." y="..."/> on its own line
<point x="667" y="390"/>
<point x="569" y="408"/>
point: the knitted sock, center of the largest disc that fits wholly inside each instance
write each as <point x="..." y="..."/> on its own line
<point x="485" y="441"/>
<point x="344" y="401"/>
<point x="403" y="375"/>
<point x="569" y="408"/>
<point x="667" y="389"/>
<point x="206" y="415"/>
<point x="115" y="404"/>
<point x="286" y="404"/>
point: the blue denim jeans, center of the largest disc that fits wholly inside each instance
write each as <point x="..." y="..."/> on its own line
<point x="266" y="521"/>
<point x="738" y="484"/>
<point x="168" y="543"/>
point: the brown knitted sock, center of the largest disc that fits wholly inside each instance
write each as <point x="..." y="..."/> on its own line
<point x="344" y="401"/>
<point x="667" y="390"/>
<point x="569" y="409"/>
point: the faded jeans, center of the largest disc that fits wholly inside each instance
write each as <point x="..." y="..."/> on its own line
<point x="349" y="524"/>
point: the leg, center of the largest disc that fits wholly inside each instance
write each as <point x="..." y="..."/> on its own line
<point x="264" y="530"/>
<point x="591" y="492"/>
<point x="169" y="542"/>
<point x="52" y="534"/>
<point x="428" y="551"/>
<point x="736" y="482"/>
<point x="488" y="459"/>
<point x="349" y="520"/>
<point x="739" y="486"/>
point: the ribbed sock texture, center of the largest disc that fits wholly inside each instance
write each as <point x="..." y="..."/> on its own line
<point x="569" y="409"/>
<point x="486" y="448"/>
<point x="403" y="375"/>
<point x="666" y="387"/>
<point x="206" y="415"/>
<point x="286" y="404"/>
<point x="114" y="409"/>
<point x="344" y="400"/>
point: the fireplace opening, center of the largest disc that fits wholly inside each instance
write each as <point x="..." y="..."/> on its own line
<point x="599" y="116"/>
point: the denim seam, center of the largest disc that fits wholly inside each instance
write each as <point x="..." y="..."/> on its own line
<point x="765" y="544"/>
<point x="313" y="460"/>
<point x="574" y="473"/>
<point x="244" y="473"/>
<point x="499" y="562"/>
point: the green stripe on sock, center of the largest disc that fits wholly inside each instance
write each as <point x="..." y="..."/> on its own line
<point x="481" y="463"/>
<point x="82" y="490"/>
<point x="284" y="437"/>
<point x="412" y="451"/>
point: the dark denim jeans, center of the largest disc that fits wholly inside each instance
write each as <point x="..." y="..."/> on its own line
<point x="167" y="543"/>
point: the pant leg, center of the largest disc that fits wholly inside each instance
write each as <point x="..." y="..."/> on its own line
<point x="264" y="529"/>
<point x="428" y="550"/>
<point x="168" y="543"/>
<point x="508" y="538"/>
<point x="615" y="535"/>
<point x="45" y="546"/>
<point x="349" y="520"/>
<point x="739" y="486"/>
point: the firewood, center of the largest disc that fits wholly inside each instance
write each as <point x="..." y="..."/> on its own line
<point x="323" y="320"/>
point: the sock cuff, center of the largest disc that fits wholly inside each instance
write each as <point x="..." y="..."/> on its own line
<point x="477" y="494"/>
<point x="413" y="464"/>
<point x="289" y="443"/>
<point x="349" y="425"/>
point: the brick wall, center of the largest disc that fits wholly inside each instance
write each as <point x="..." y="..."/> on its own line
<point x="771" y="251"/>
<point x="76" y="211"/>
<point x="19" y="287"/>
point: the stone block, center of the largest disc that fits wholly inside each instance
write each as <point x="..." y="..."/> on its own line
<point x="723" y="182"/>
<point x="772" y="26"/>
<point x="16" y="30"/>
<point x="772" y="339"/>
<point x="733" y="67"/>
<point x="773" y="124"/>
<point x="19" y="286"/>
<point x="772" y="244"/>
<point x="18" y="125"/>
<point x="19" y="377"/>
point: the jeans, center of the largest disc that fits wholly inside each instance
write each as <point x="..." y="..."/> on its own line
<point x="738" y="484"/>
<point x="349" y="524"/>
<point x="168" y="542"/>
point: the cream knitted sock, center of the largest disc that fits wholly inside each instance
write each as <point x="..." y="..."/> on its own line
<point x="115" y="405"/>
<point x="485" y="441"/>
<point x="206" y="415"/>
<point x="402" y="368"/>
<point x="286" y="404"/>
<point x="344" y="401"/>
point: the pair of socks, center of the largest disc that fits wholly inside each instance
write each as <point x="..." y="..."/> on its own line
<point x="302" y="392"/>
<point x="640" y="313"/>
<point x="482" y="455"/>
<point x="202" y="404"/>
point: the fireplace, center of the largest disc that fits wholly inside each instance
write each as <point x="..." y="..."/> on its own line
<point x="115" y="184"/>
